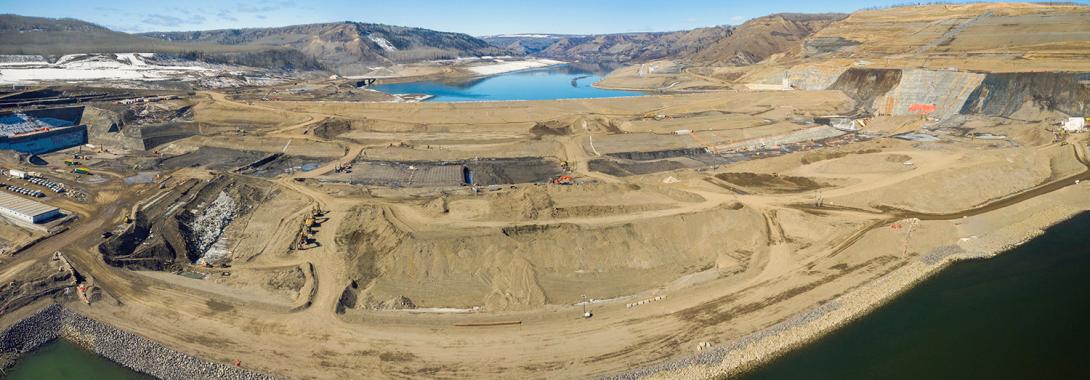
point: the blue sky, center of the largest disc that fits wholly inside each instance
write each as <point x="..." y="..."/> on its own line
<point x="481" y="17"/>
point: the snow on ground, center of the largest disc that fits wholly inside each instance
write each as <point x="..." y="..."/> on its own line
<point x="21" y="60"/>
<point x="382" y="42"/>
<point x="501" y="67"/>
<point x="85" y="67"/>
<point x="134" y="59"/>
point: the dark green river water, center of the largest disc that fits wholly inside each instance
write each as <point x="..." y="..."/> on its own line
<point x="1021" y="315"/>
<point x="61" y="359"/>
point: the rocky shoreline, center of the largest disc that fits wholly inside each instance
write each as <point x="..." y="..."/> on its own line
<point x="127" y="349"/>
<point x="750" y="351"/>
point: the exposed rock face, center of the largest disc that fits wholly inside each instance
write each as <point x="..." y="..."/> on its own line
<point x="1004" y="94"/>
<point x="866" y="85"/>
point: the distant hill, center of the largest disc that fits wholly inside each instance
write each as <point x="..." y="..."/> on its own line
<point x="620" y="48"/>
<point x="746" y="44"/>
<point x="527" y="43"/>
<point x="47" y="36"/>
<point x="345" y="47"/>
<point x="56" y="37"/>
<point x="760" y="38"/>
<point x="999" y="31"/>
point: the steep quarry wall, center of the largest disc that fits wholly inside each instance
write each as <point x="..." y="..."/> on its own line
<point x="1019" y="95"/>
<point x="866" y="85"/>
<point x="891" y="92"/>
<point x="1005" y="94"/>
<point x="946" y="90"/>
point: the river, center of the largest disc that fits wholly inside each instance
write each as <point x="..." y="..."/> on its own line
<point x="61" y="359"/>
<point x="554" y="82"/>
<point x="1020" y="315"/>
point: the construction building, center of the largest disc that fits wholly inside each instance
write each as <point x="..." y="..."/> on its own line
<point x="25" y="210"/>
<point x="1074" y="124"/>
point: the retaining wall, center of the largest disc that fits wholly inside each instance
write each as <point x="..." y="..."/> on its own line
<point x="947" y="90"/>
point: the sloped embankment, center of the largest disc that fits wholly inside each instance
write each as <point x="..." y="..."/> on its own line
<point x="529" y="265"/>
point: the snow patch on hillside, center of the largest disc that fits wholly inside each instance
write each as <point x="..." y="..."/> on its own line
<point x="382" y="42"/>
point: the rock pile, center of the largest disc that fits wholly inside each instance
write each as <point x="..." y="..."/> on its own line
<point x="754" y="349"/>
<point x="125" y="348"/>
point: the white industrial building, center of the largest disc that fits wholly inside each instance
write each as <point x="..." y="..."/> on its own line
<point x="25" y="210"/>
<point x="1075" y="124"/>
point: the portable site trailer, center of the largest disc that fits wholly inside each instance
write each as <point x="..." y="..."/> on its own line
<point x="1075" y="124"/>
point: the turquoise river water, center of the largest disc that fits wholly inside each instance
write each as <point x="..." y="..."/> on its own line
<point x="555" y="82"/>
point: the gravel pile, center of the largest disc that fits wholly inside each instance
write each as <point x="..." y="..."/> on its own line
<point x="33" y="331"/>
<point x="125" y="348"/>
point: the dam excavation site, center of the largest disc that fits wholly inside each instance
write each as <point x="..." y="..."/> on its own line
<point x="317" y="201"/>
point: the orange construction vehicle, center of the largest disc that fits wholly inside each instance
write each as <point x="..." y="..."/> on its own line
<point x="564" y="180"/>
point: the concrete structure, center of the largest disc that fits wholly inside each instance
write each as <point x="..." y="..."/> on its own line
<point x="25" y="210"/>
<point x="937" y="93"/>
<point x="16" y="173"/>
<point x="406" y="175"/>
<point x="1075" y="124"/>
<point x="42" y="131"/>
